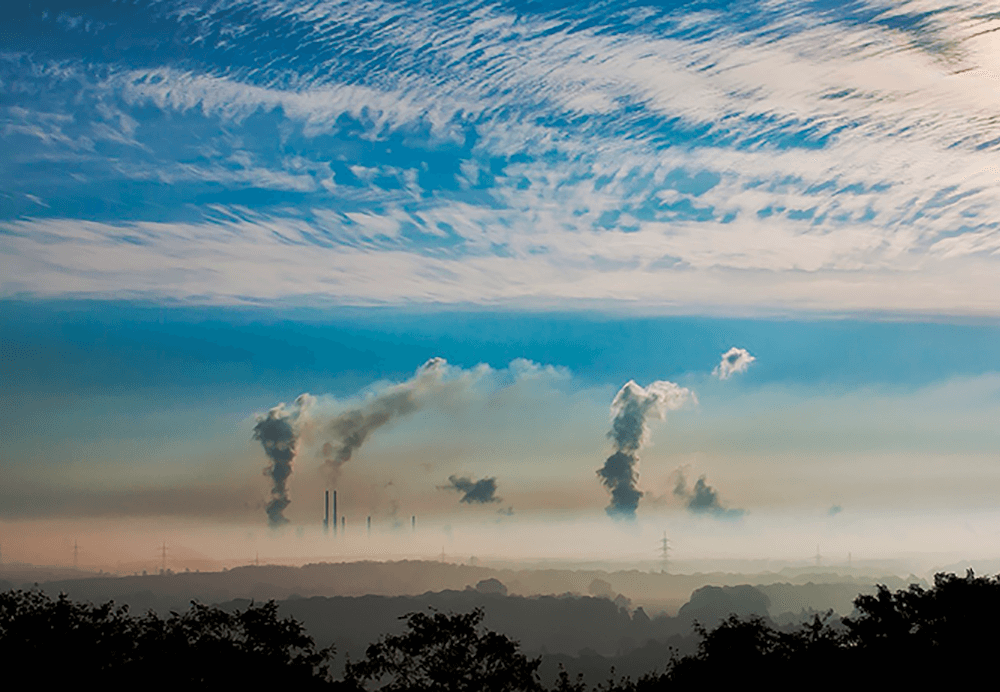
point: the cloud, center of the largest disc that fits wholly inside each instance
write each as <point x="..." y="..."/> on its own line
<point x="766" y="160"/>
<point x="474" y="492"/>
<point x="703" y="498"/>
<point x="734" y="361"/>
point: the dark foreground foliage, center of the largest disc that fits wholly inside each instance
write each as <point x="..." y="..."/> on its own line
<point x="914" y="638"/>
<point x="448" y="653"/>
<point x="62" y="641"/>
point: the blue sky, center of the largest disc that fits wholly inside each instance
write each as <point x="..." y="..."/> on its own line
<point x="207" y="209"/>
<point x="752" y="157"/>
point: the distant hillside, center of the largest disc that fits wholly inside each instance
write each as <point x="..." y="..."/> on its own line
<point x="656" y="592"/>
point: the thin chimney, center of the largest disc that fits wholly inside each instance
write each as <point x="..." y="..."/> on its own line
<point x="326" y="513"/>
<point x="334" y="512"/>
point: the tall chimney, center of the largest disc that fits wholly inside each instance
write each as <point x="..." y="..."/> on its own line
<point x="343" y="521"/>
<point x="413" y="522"/>
<point x="335" y="512"/>
<point x="326" y="512"/>
<point x="369" y="525"/>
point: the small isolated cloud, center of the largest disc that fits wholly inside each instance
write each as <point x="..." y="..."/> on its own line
<point x="474" y="492"/>
<point x="734" y="361"/>
<point x="703" y="498"/>
<point x="835" y="510"/>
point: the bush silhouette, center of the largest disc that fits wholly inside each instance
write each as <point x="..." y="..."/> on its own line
<point x="446" y="653"/>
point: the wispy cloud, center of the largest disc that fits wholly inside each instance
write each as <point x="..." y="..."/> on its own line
<point x="836" y="159"/>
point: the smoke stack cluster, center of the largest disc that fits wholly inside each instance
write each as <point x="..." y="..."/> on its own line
<point x="629" y="432"/>
<point x="280" y="431"/>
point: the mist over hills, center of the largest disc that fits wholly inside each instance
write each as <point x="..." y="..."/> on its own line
<point x="656" y="592"/>
<point x="586" y="620"/>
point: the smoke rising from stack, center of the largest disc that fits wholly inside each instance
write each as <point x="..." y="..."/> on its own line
<point x="281" y="430"/>
<point x="703" y="498"/>
<point x="349" y="430"/>
<point x="631" y="408"/>
<point x="478" y="492"/>
<point x="276" y="433"/>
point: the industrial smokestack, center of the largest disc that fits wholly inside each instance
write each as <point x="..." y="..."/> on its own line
<point x="629" y="410"/>
<point x="369" y="526"/>
<point x="326" y="512"/>
<point x="343" y="522"/>
<point x="335" y="512"/>
<point x="413" y="522"/>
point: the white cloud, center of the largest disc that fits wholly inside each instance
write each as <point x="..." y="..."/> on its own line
<point x="895" y="211"/>
<point x="734" y="361"/>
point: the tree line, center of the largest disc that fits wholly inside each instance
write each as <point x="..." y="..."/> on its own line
<point x="917" y="637"/>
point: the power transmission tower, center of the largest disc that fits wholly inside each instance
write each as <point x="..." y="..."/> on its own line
<point x="665" y="551"/>
<point x="163" y="566"/>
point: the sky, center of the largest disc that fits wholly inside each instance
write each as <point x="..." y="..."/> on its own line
<point x="462" y="230"/>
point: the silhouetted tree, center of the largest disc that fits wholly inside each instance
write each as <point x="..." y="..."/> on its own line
<point x="445" y="653"/>
<point x="68" y="641"/>
<point x="942" y="635"/>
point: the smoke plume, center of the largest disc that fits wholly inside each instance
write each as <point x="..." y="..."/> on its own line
<point x="281" y="430"/>
<point x="276" y="434"/>
<point x="630" y="409"/>
<point x="347" y="431"/>
<point x="703" y="498"/>
<point x="475" y="492"/>
<point x="734" y="361"/>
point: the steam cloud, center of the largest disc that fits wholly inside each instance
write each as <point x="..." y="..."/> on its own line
<point x="703" y="498"/>
<point x="280" y="431"/>
<point x="734" y="361"/>
<point x="630" y="409"/>
<point x="475" y="492"/>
